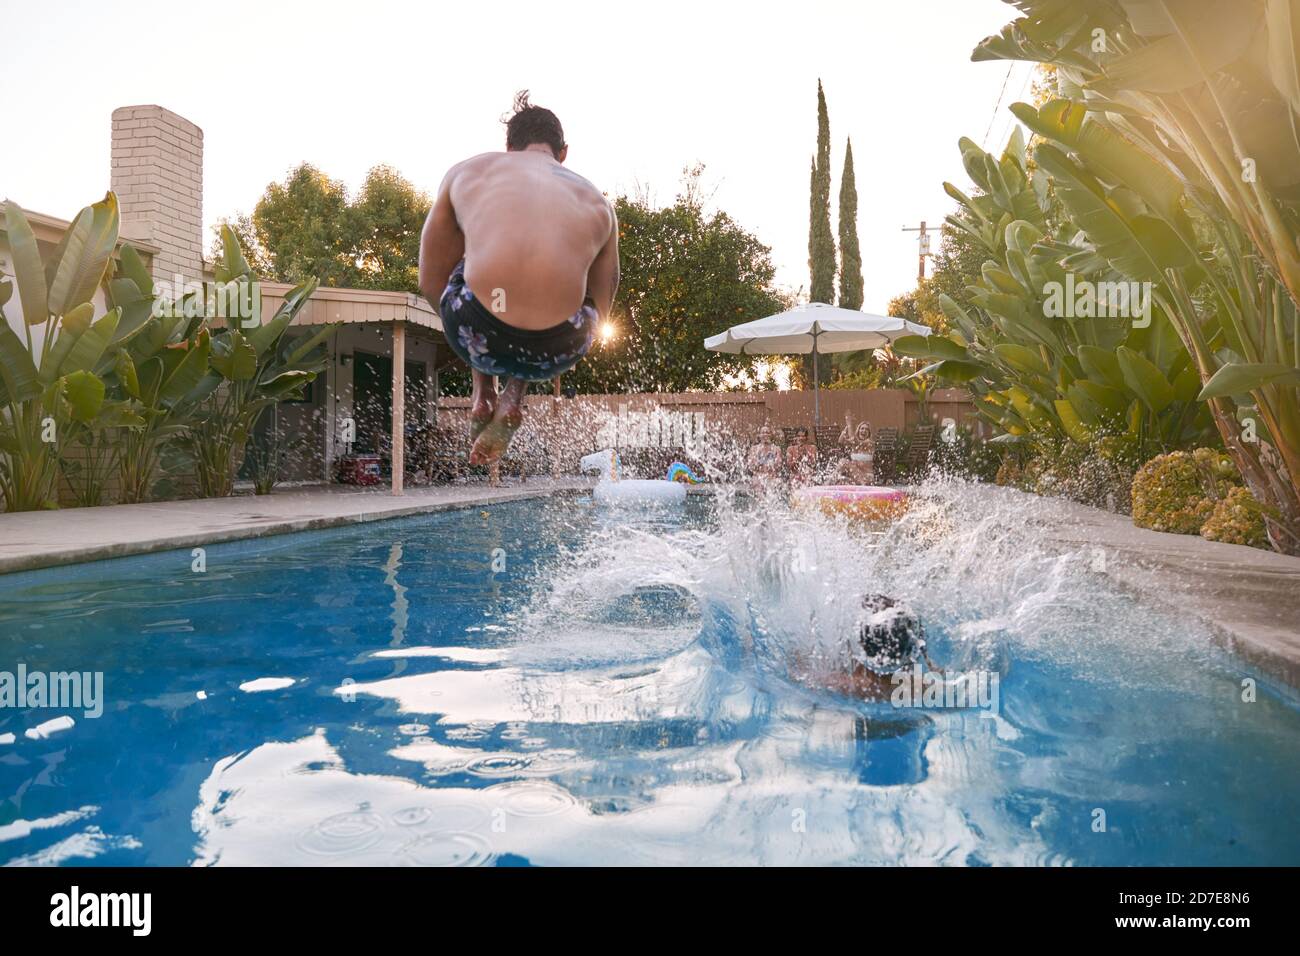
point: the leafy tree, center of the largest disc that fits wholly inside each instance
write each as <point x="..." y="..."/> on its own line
<point x="386" y="221"/>
<point x="309" y="226"/>
<point x="850" y="255"/>
<point x="302" y="227"/>
<point x="687" y="274"/>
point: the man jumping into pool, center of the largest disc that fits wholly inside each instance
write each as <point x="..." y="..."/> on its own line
<point x="520" y="257"/>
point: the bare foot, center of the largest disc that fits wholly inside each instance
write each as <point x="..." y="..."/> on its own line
<point x="495" y="437"/>
<point x="483" y="405"/>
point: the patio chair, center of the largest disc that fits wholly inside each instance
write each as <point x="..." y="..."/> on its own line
<point x="918" y="453"/>
<point x="886" y="456"/>
<point x="527" y="454"/>
<point x="448" y="458"/>
<point x="829" y="448"/>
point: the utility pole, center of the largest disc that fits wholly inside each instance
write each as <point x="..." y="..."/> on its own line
<point x="923" y="241"/>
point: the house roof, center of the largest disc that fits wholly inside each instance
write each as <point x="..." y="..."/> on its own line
<point x="327" y="304"/>
<point x="50" y="229"/>
<point x="353" y="306"/>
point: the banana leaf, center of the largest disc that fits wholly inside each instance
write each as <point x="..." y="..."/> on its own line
<point x="18" y="376"/>
<point x="1145" y="380"/>
<point x="1239" y="378"/>
<point x="29" y="271"/>
<point x="83" y="256"/>
<point x="85" y="395"/>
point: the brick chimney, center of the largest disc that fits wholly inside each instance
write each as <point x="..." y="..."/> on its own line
<point x="158" y="178"/>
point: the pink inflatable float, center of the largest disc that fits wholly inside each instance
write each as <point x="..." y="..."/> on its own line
<point x="871" y="502"/>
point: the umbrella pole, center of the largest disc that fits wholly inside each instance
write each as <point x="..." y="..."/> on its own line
<point x="817" y="386"/>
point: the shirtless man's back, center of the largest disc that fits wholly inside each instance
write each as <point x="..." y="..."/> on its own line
<point x="520" y="256"/>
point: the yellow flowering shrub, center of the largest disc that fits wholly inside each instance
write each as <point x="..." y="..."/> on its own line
<point x="1169" y="494"/>
<point x="1237" y="519"/>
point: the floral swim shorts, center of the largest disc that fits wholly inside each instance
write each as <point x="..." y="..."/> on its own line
<point x="492" y="347"/>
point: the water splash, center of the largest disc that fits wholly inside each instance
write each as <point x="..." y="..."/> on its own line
<point x="764" y="586"/>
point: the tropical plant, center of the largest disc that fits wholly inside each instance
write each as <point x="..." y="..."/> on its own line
<point x="84" y="398"/>
<point x="245" y="375"/>
<point x="1042" y="372"/>
<point x="154" y="370"/>
<point x="53" y="392"/>
<point x="1174" y="147"/>
<point x="267" y="457"/>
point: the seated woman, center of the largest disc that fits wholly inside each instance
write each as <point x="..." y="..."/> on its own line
<point x="764" y="459"/>
<point x="801" y="458"/>
<point x="859" y="468"/>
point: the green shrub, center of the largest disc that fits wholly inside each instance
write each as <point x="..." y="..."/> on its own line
<point x="1237" y="519"/>
<point x="1098" y="474"/>
<point x="1168" y="495"/>
<point x="966" y="455"/>
<point x="1010" y="473"/>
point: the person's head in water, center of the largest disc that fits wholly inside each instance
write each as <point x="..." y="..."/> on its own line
<point x="889" y="635"/>
<point x="531" y="125"/>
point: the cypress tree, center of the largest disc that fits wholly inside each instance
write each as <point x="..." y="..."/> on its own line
<point x="850" y="254"/>
<point x="821" y="240"/>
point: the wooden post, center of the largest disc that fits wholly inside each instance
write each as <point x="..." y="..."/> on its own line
<point x="437" y="387"/>
<point x="399" y="405"/>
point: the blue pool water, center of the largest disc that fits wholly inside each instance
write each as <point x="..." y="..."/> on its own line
<point x="546" y="683"/>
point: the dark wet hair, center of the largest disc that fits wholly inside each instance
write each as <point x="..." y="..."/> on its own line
<point x="530" y="124"/>
<point x="892" y="640"/>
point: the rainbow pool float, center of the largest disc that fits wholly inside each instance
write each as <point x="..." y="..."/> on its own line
<point x="867" y="502"/>
<point x="680" y="471"/>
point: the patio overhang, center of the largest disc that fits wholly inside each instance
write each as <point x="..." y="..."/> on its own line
<point x="353" y="306"/>
<point x="397" y="312"/>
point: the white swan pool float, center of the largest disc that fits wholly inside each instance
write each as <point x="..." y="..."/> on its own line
<point x="615" y="490"/>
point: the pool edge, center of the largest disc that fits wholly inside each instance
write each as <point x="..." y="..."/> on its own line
<point x="348" y="509"/>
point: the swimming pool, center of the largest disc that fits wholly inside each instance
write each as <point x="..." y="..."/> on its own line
<point x="543" y="682"/>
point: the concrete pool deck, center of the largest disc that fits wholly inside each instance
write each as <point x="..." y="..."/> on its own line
<point x="1248" y="597"/>
<point x="42" y="539"/>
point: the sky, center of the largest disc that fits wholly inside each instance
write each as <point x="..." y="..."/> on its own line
<point x="643" y="90"/>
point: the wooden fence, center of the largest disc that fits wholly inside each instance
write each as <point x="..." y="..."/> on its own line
<point x="570" y="427"/>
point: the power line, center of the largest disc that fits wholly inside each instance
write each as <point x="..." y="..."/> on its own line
<point x="1011" y="119"/>
<point x="997" y="106"/>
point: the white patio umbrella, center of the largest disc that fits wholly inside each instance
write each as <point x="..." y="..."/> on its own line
<point x="817" y="328"/>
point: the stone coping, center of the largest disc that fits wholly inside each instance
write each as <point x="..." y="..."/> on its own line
<point x="42" y="539"/>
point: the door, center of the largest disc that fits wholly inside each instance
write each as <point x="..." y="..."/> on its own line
<point x="372" y="390"/>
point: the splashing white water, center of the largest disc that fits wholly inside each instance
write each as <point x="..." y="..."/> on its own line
<point x="766" y="584"/>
